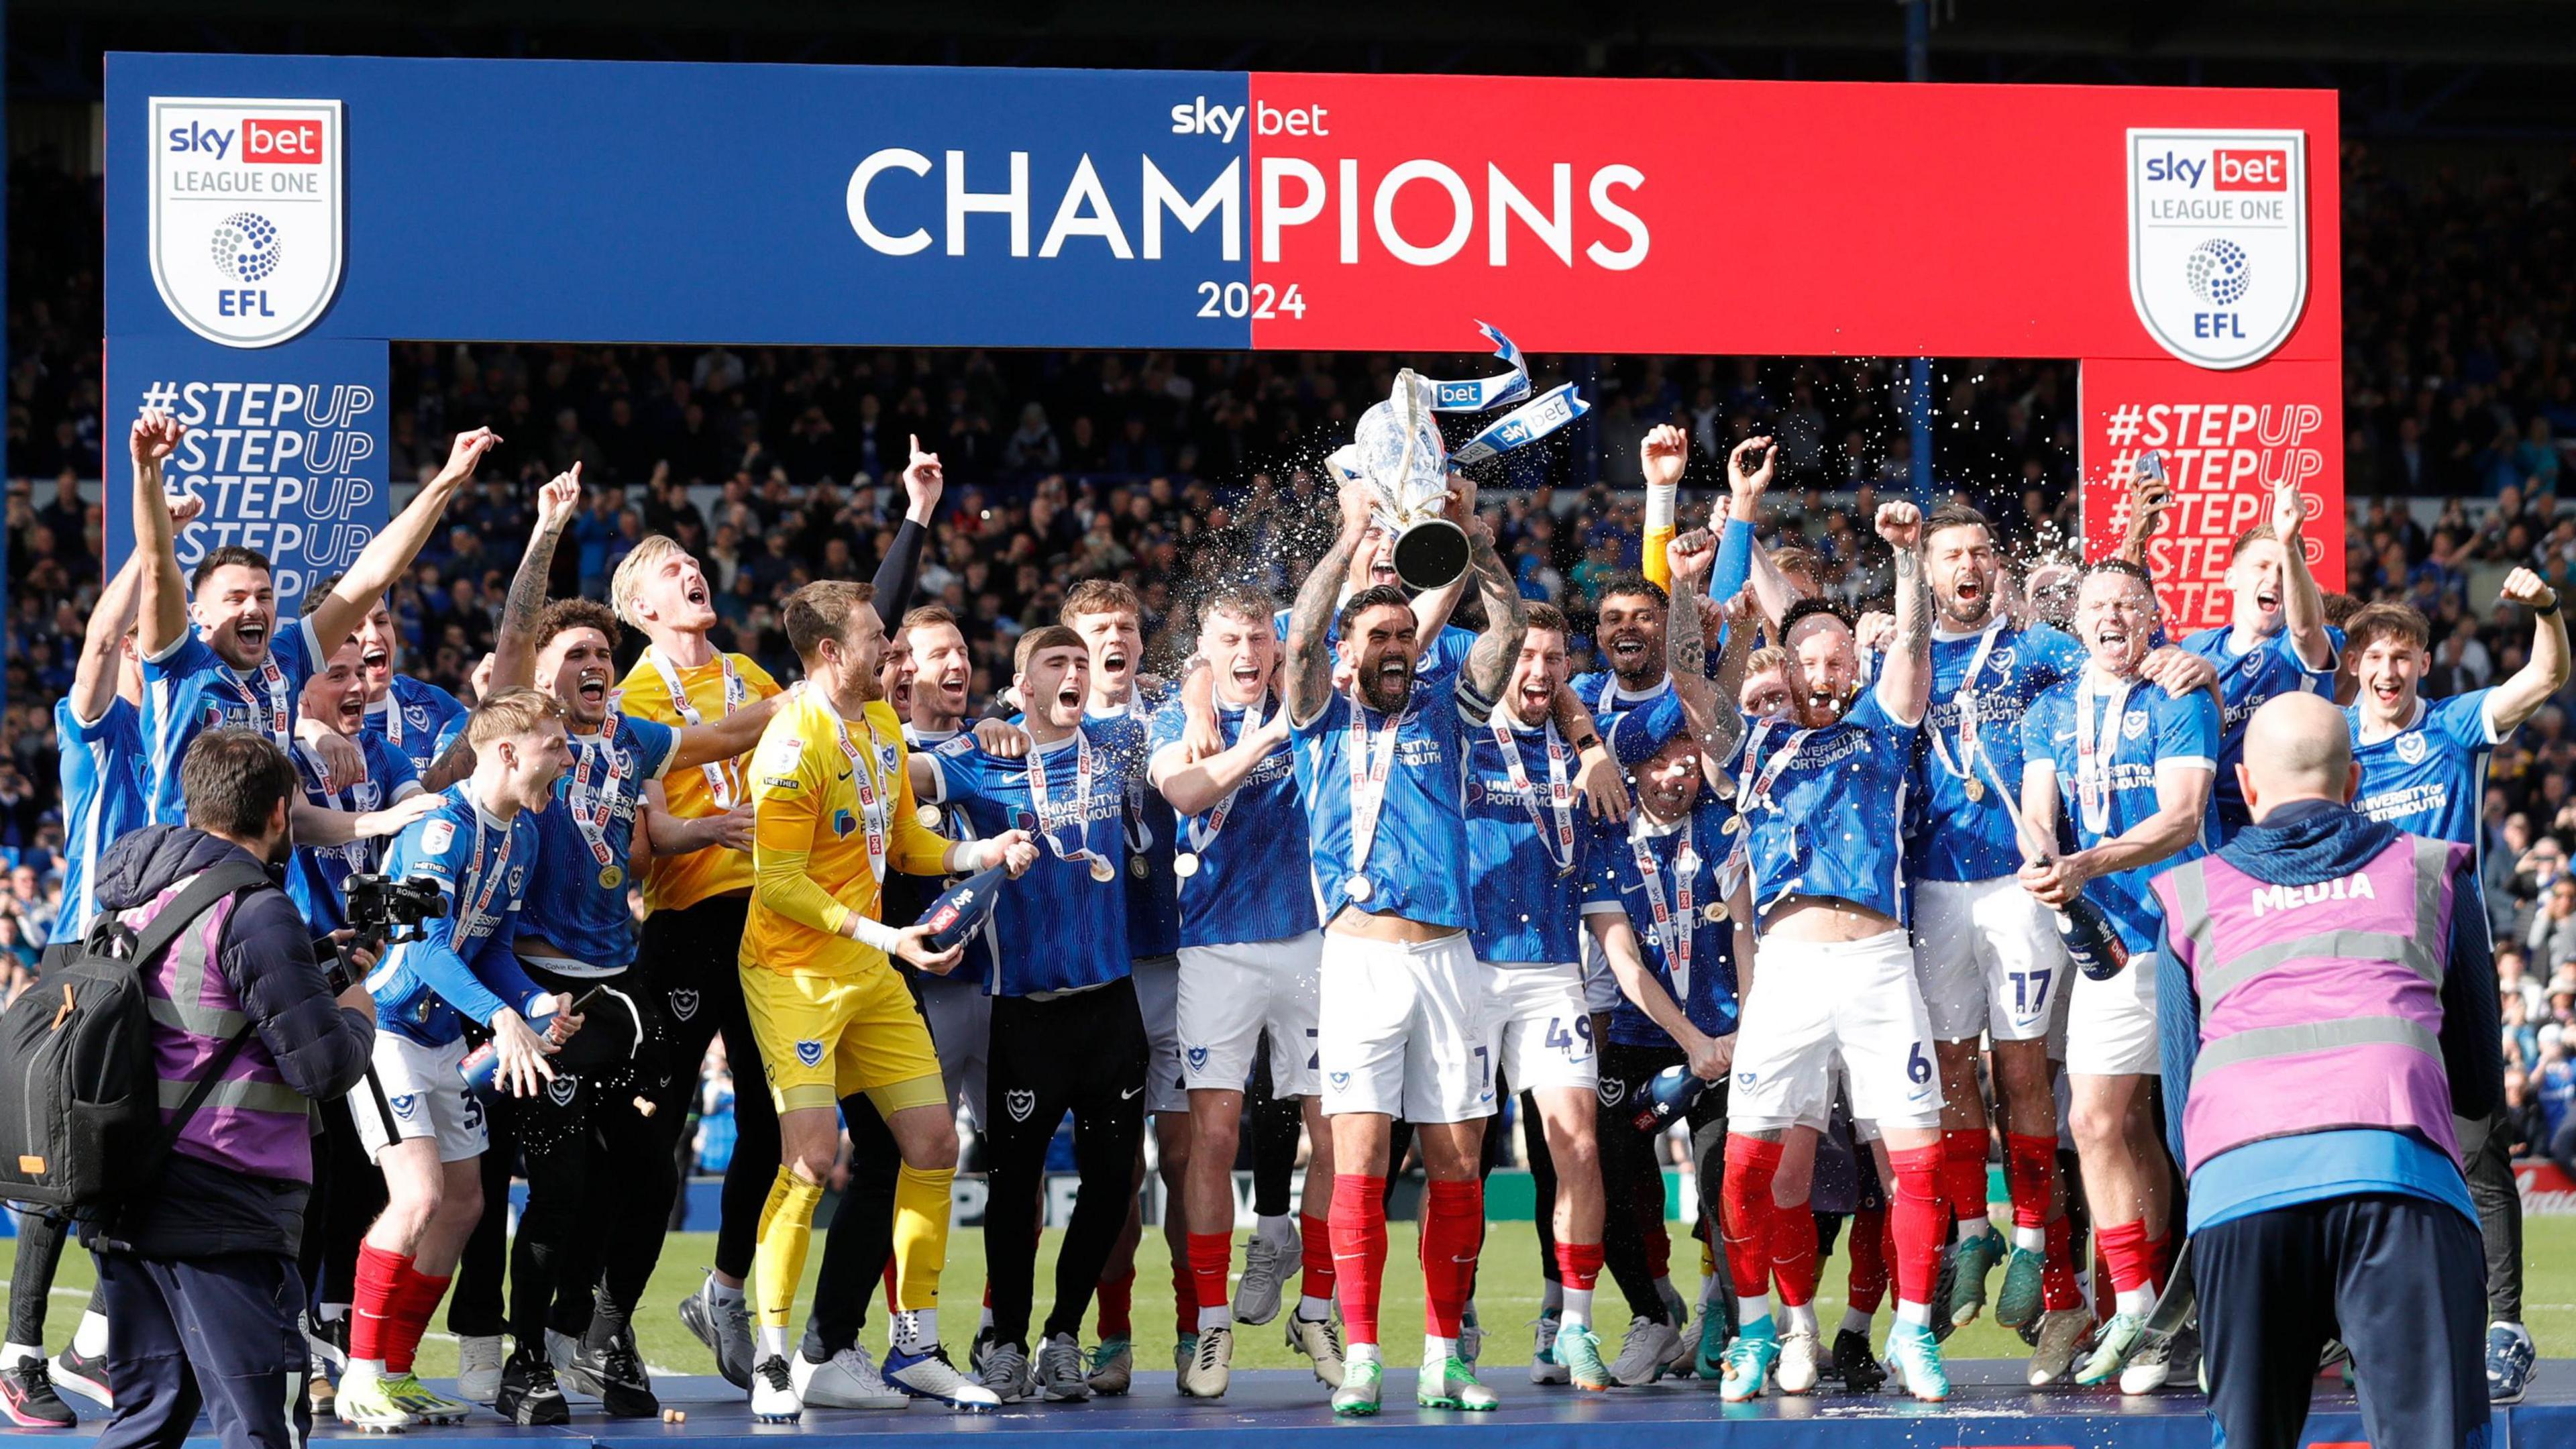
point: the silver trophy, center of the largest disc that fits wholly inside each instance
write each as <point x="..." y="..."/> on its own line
<point x="1397" y="449"/>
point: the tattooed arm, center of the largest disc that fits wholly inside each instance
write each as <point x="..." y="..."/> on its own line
<point x="514" y="649"/>
<point x="1905" y="681"/>
<point x="1707" y="703"/>
<point x="1488" y="669"/>
<point x="1308" y="681"/>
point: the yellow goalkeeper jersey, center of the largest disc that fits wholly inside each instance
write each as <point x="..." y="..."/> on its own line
<point x="832" y="810"/>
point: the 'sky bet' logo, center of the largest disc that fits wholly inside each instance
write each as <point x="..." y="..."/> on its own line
<point x="247" y="214"/>
<point x="2218" y="240"/>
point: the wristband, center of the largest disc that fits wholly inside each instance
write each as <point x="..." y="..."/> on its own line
<point x="873" y="932"/>
<point x="1587" y="744"/>
<point x="2545" y="613"/>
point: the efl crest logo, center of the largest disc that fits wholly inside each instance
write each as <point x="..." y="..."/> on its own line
<point x="809" y="1052"/>
<point x="2218" y="240"/>
<point x="247" y="214"/>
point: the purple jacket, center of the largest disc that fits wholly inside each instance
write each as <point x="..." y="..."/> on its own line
<point x="239" y="1176"/>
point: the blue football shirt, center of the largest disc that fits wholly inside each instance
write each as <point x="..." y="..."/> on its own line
<point x="319" y="874"/>
<point x="1995" y="673"/>
<point x="1528" y="879"/>
<point x="2271" y="668"/>
<point x="463" y="967"/>
<point x="2430" y="778"/>
<point x="1825" y="807"/>
<point x="577" y="898"/>
<point x="1695" y="848"/>
<point x="1251" y="883"/>
<point x="188" y="689"/>
<point x="1057" y="928"/>
<point x="417" y="718"/>
<point x="2141" y="735"/>
<point x="103" y="768"/>
<point x="1417" y="861"/>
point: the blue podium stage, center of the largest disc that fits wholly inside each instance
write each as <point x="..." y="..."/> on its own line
<point x="1264" y="1410"/>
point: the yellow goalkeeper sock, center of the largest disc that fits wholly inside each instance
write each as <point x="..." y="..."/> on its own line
<point x="786" y="1230"/>
<point x="921" y="1207"/>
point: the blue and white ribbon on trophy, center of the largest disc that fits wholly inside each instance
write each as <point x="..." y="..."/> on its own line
<point x="1397" y="449"/>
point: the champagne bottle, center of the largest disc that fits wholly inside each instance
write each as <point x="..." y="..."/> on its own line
<point x="2091" y="942"/>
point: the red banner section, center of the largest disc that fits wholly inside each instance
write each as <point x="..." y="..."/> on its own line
<point x="1803" y="219"/>
<point x="2225" y="439"/>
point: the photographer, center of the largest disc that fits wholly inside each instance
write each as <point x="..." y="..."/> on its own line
<point x="201" y="1297"/>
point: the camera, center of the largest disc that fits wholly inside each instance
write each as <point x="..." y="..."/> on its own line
<point x="382" y="911"/>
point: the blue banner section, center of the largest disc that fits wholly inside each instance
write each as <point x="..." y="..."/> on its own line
<point x="668" y="203"/>
<point x="285" y="445"/>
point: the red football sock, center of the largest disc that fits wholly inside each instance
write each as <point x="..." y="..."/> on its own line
<point x="1359" y="1251"/>
<point x="371" y="1307"/>
<point x="2058" y="1290"/>
<point x="1211" y="1262"/>
<point x="1745" y="1212"/>
<point x="1793" y="1254"/>
<point x="2124" y="1246"/>
<point x="1117" y="1305"/>
<point x="2030" y="1174"/>
<point x="891" y="1307"/>
<point x="1314" y="1256"/>
<point x="1917" y="1220"/>
<point x="1453" y="1230"/>
<point x="1868" y="1280"/>
<point x="1578" y="1265"/>
<point x="2160" y="1261"/>
<point x="415" y="1298"/>
<point x="1963" y="1173"/>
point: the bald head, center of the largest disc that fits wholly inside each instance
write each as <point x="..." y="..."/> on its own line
<point x="2297" y="747"/>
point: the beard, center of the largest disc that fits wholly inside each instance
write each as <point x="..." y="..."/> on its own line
<point x="1386" y="691"/>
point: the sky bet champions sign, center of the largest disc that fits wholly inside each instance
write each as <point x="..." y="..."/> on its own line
<point x="281" y="220"/>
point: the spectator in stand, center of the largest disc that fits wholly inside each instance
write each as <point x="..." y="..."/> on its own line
<point x="2552" y="934"/>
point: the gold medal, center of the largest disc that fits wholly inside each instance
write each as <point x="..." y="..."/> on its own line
<point x="1734" y="825"/>
<point x="1139" y="867"/>
<point x="1185" y="865"/>
<point x="1973" y="788"/>
<point x="928" y="815"/>
<point x="1102" y="870"/>
<point x="610" y="877"/>
<point x="1715" y="911"/>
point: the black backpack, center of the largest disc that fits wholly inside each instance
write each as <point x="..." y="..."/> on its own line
<point x="80" y="1109"/>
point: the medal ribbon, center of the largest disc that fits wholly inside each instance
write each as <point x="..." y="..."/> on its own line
<point x="488" y="882"/>
<point x="1081" y="813"/>
<point x="1370" y="758"/>
<point x="1560" y="793"/>
<point x="280" y="727"/>
<point x="1203" y="835"/>
<point x="1676" y="925"/>
<point x="719" y="773"/>
<point x="863" y="775"/>
<point x="1964" y="768"/>
<point x="592" y="820"/>
<point x="1753" y="793"/>
<point x="2092" y="773"/>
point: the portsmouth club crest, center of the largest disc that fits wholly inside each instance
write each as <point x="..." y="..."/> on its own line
<point x="247" y="214"/>
<point x="2218" y="240"/>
